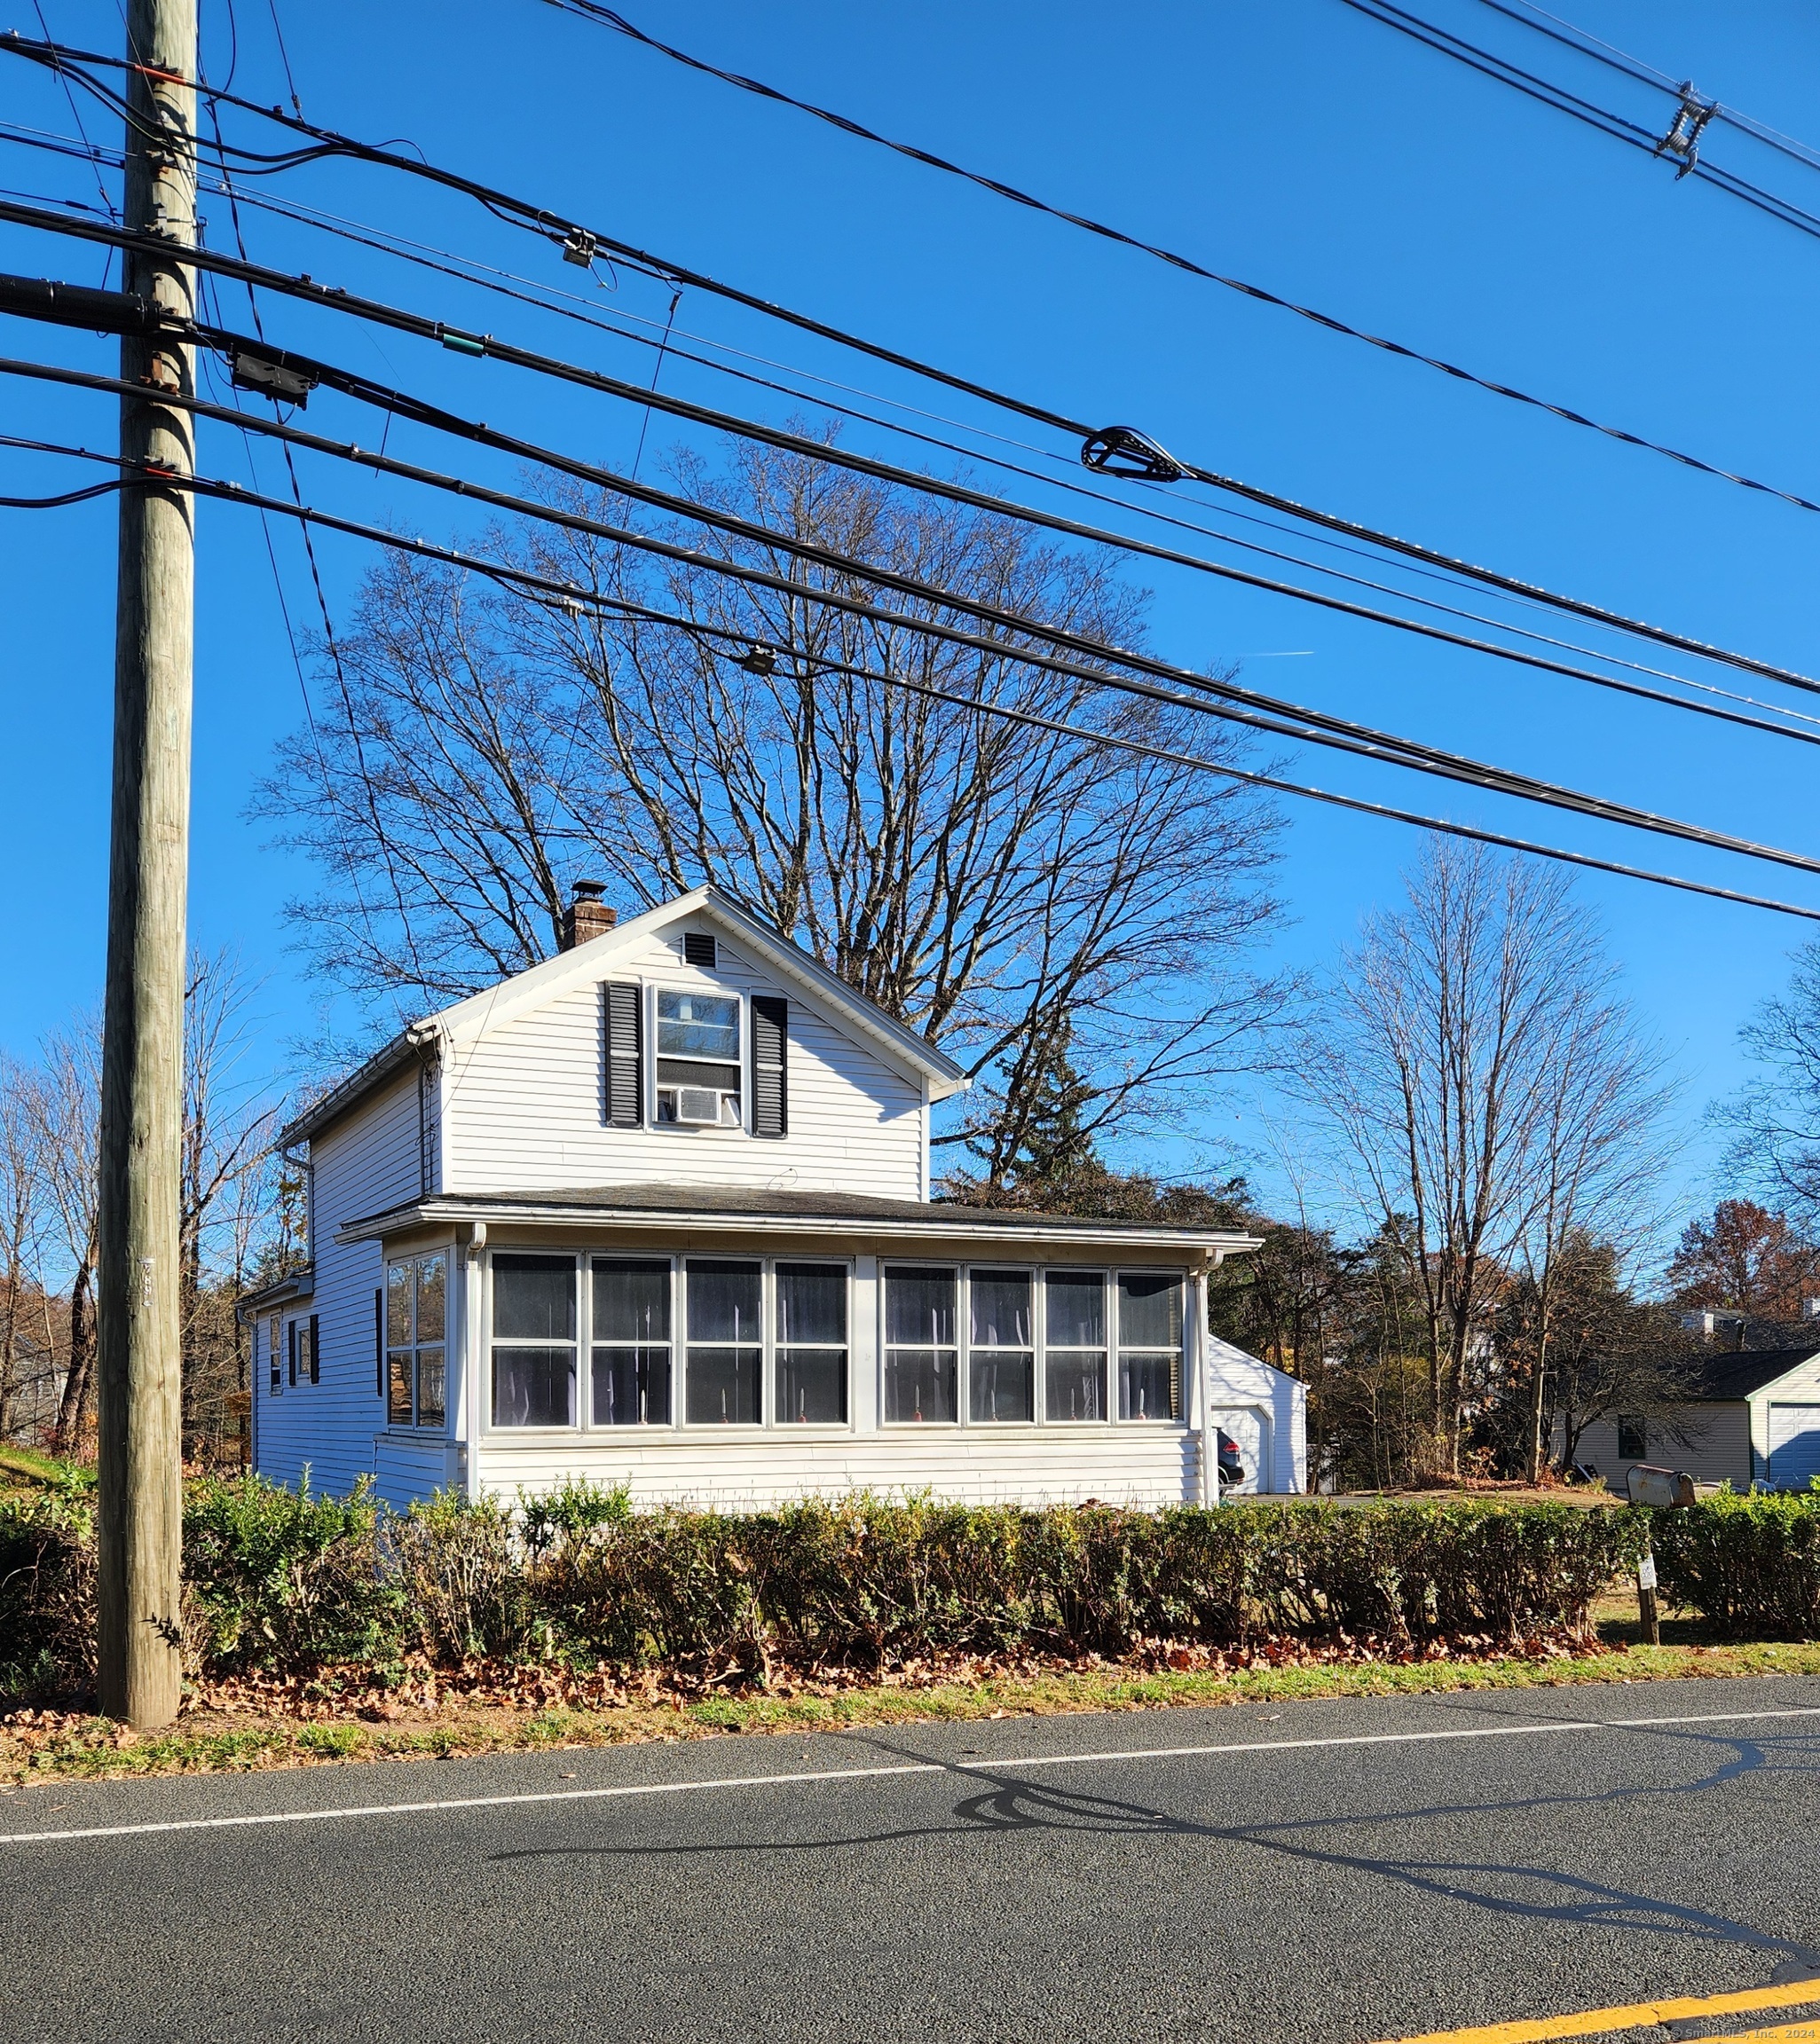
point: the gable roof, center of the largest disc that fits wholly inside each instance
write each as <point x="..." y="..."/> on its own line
<point x="912" y="1056"/>
<point x="1739" y="1372"/>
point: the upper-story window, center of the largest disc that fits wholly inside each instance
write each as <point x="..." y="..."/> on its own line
<point x="700" y="1058"/>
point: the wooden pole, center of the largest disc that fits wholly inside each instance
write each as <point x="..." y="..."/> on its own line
<point x="1649" y="1617"/>
<point x="139" y="1594"/>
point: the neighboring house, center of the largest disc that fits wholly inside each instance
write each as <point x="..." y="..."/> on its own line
<point x="1263" y="1411"/>
<point x="1752" y="1416"/>
<point x="657" y="1212"/>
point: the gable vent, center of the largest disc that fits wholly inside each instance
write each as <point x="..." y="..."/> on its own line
<point x="700" y="950"/>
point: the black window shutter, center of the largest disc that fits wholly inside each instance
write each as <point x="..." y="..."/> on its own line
<point x="316" y="1347"/>
<point x="379" y="1341"/>
<point x="290" y="1340"/>
<point x="625" y="1064"/>
<point x="770" y="1070"/>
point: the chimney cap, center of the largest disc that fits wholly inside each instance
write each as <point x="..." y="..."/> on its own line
<point x="589" y="890"/>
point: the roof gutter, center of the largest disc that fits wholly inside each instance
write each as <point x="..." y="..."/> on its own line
<point x="1213" y="1245"/>
<point x="340" y="1099"/>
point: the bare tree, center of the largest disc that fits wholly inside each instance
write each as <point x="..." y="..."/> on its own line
<point x="226" y="1192"/>
<point x="978" y="879"/>
<point x="68" y="1099"/>
<point x="21" y="1220"/>
<point x="229" y="1125"/>
<point x="1776" y="1117"/>
<point x="1490" y="1084"/>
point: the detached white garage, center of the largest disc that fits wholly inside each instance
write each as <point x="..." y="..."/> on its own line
<point x="1793" y="1445"/>
<point x="1262" y="1412"/>
<point x="1751" y="1418"/>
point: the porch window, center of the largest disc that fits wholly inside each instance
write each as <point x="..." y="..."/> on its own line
<point x="699" y="1059"/>
<point x="922" y="1356"/>
<point x="725" y="1303"/>
<point x="810" y="1333"/>
<point x="631" y="1384"/>
<point x="1074" y="1342"/>
<point x="1001" y="1346"/>
<point x="416" y="1308"/>
<point x="533" y="1341"/>
<point x="1150" y="1344"/>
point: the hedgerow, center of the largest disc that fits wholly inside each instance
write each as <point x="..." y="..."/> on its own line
<point x="1749" y="1565"/>
<point x="289" y="1582"/>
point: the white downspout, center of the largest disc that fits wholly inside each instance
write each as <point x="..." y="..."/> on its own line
<point x="1204" y="1377"/>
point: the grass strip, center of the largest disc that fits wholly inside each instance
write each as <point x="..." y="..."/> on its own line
<point x="95" y="1748"/>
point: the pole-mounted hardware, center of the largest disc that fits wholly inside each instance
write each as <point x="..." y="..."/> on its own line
<point x="1682" y="140"/>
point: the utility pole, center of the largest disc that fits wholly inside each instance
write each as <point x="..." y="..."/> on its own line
<point x="139" y="1594"/>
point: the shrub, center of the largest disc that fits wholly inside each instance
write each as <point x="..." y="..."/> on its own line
<point x="291" y="1582"/>
<point x="47" y="1592"/>
<point x="460" y="1568"/>
<point x="1749" y="1565"/>
<point x="285" y="1580"/>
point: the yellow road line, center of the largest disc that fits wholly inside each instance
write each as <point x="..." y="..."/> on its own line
<point x="1640" y="2015"/>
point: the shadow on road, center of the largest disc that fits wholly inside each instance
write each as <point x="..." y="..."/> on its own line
<point x="1507" y="1888"/>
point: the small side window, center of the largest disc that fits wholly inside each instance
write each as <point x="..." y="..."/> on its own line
<point x="1632" y="1437"/>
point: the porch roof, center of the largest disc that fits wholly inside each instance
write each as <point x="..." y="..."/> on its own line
<point x="734" y="1209"/>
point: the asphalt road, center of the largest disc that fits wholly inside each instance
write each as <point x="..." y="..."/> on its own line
<point x="1345" y="1871"/>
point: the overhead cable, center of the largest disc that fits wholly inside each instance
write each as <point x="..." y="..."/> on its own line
<point x="570" y="595"/>
<point x="1589" y="111"/>
<point x="1585" y="43"/>
<point x="484" y="344"/>
<point x="1230" y="703"/>
<point x="561" y="231"/>
<point x="610" y="18"/>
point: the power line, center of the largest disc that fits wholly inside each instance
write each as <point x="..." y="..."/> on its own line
<point x="1587" y="111"/>
<point x="574" y="235"/>
<point x="1235" y="705"/>
<point x="610" y="18"/>
<point x="567" y="595"/>
<point x="424" y="327"/>
<point x="1585" y="43"/>
<point x="423" y="256"/>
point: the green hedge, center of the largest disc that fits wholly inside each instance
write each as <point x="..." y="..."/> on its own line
<point x="284" y="1581"/>
<point x="1750" y="1566"/>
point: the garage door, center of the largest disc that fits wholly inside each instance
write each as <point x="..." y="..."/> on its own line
<point x="1794" y="1446"/>
<point x="1248" y="1428"/>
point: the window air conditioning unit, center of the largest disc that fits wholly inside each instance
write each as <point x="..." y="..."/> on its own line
<point x="699" y="1104"/>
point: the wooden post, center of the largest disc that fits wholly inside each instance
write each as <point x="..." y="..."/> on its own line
<point x="1646" y="1610"/>
<point x="139" y="1597"/>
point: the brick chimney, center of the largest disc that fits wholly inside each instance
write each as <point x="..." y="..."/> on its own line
<point x="589" y="915"/>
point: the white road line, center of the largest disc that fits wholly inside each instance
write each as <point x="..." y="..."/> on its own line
<point x="980" y="1766"/>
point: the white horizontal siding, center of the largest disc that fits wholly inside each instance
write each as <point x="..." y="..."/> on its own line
<point x="406" y="1469"/>
<point x="370" y="1161"/>
<point x="1029" y="1466"/>
<point x="523" y="1111"/>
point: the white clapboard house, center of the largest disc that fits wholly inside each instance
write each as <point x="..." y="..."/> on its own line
<point x="657" y="1212"/>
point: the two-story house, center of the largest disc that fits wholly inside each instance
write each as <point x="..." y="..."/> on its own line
<point x="658" y="1212"/>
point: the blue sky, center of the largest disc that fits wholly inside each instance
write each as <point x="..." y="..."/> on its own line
<point x="1297" y="145"/>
